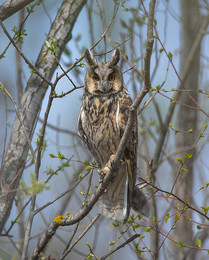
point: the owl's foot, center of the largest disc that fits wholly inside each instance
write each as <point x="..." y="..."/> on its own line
<point x="107" y="167"/>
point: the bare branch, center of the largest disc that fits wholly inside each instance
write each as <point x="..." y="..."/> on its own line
<point x="80" y="236"/>
<point x="120" y="246"/>
<point x="10" y="7"/>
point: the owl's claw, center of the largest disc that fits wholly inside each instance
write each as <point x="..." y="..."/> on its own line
<point x="102" y="173"/>
<point x="107" y="167"/>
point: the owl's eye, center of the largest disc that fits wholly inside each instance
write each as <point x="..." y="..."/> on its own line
<point x="95" y="78"/>
<point x="111" y="77"/>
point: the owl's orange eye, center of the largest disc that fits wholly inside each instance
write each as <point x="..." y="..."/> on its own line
<point x="111" y="77"/>
<point x="95" y="78"/>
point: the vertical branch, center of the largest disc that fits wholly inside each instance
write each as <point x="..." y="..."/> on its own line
<point x="147" y="59"/>
<point x="19" y="61"/>
<point x="37" y="167"/>
<point x="103" y="27"/>
<point x="19" y="96"/>
<point x="89" y="13"/>
<point x="149" y="44"/>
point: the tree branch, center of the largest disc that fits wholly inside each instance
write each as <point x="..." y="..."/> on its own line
<point x="120" y="246"/>
<point x="10" y="7"/>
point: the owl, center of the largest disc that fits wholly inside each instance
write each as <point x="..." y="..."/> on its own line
<point x="101" y="124"/>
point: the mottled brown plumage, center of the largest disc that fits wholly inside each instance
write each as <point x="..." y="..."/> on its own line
<point x="102" y="121"/>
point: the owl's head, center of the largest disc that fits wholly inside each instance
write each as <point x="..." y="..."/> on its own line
<point x="103" y="78"/>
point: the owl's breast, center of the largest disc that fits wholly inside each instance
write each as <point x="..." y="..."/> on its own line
<point x="101" y="123"/>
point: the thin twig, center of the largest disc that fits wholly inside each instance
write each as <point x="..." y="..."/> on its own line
<point x="80" y="236"/>
<point x="23" y="56"/>
<point x="120" y="246"/>
<point x="60" y="195"/>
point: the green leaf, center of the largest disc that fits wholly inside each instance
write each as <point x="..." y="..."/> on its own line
<point x="155" y="21"/>
<point x="190" y="130"/>
<point x="89" y="168"/>
<point x="135" y="226"/>
<point x="160" y="50"/>
<point x="180" y="244"/>
<point x="177" y="218"/>
<point x="199" y="227"/>
<point x="78" y="37"/>
<point x="111" y="243"/>
<point x="205" y="209"/>
<point x="179" y="160"/>
<point x="143" y="71"/>
<point x="52" y="155"/>
<point x="170" y="55"/>
<point x="132" y="217"/>
<point x="198" y="242"/>
<point x="186" y="202"/>
<point x="155" y="219"/>
<point x="176" y="132"/>
<point x="115" y="223"/>
<point x="147" y="229"/>
<point x="178" y="206"/>
<point x="86" y="163"/>
<point x="202" y="135"/>
<point x="205" y="127"/>
<point x="123" y="23"/>
<point x="167" y="217"/>
<point x="183" y="169"/>
<point x="188" y="155"/>
<point x="171" y="125"/>
<point x="36" y="186"/>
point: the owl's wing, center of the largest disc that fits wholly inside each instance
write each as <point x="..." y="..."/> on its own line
<point x="130" y="153"/>
<point x="131" y="163"/>
<point x="136" y="198"/>
<point x="85" y="138"/>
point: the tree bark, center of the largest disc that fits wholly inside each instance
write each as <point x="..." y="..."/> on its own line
<point x="17" y="151"/>
<point x="187" y="118"/>
<point x="10" y="7"/>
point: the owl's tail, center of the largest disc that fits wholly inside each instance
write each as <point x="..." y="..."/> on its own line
<point x="114" y="201"/>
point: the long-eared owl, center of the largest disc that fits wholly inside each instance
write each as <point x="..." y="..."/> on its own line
<point x="102" y="121"/>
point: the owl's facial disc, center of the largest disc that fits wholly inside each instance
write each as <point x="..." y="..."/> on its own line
<point x="101" y="81"/>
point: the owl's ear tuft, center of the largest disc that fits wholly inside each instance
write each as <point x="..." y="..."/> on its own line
<point x="89" y="57"/>
<point x="115" y="57"/>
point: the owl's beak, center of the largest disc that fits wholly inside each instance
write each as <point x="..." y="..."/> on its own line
<point x="104" y="87"/>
